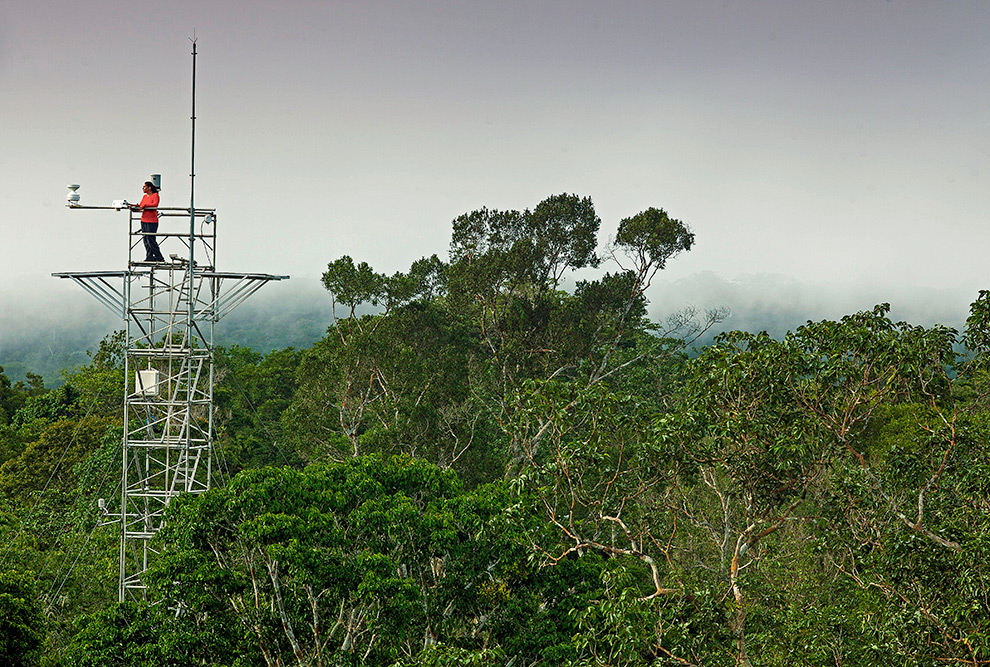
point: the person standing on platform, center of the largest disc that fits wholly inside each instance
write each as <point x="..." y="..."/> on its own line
<point x="149" y="222"/>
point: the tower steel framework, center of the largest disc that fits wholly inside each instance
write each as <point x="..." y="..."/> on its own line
<point x="169" y="309"/>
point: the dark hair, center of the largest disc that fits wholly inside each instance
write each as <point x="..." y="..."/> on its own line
<point x="151" y="185"/>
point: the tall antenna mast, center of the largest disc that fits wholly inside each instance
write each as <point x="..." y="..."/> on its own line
<point x="192" y="154"/>
<point x="191" y="267"/>
<point x="169" y="311"/>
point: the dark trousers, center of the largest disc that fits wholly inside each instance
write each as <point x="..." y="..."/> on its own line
<point x="151" y="251"/>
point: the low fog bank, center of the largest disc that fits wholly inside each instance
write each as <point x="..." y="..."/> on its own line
<point x="293" y="313"/>
<point x="778" y="304"/>
<point x="44" y="330"/>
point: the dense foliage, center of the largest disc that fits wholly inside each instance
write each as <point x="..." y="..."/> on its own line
<point x="492" y="469"/>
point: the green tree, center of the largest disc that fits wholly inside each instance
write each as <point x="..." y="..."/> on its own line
<point x="129" y="635"/>
<point x="777" y="423"/>
<point x="22" y="625"/>
<point x="435" y="373"/>
<point x="402" y="385"/>
<point x="251" y="393"/>
<point x="364" y="561"/>
<point x="100" y="383"/>
<point x="13" y="396"/>
<point x="710" y="500"/>
<point x="47" y="463"/>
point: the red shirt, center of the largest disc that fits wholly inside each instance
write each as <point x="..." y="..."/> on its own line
<point x="149" y="207"/>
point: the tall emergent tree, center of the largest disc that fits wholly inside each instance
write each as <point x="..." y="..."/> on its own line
<point x="435" y="372"/>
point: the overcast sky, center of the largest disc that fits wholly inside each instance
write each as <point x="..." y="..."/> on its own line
<point x="839" y="143"/>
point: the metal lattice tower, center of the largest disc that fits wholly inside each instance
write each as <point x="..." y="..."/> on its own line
<point x="169" y="309"/>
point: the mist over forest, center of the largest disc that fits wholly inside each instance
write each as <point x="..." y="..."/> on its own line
<point x="50" y="328"/>
<point x="777" y="304"/>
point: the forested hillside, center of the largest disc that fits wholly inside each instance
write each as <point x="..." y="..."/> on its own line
<point x="493" y="470"/>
